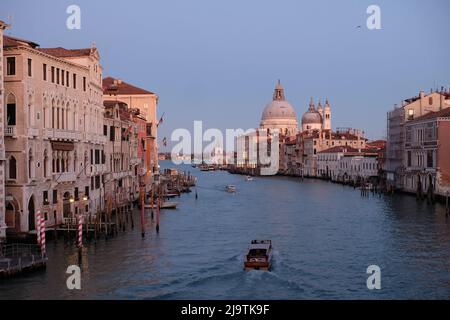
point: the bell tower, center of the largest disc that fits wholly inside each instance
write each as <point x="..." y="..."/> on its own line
<point x="327" y="116"/>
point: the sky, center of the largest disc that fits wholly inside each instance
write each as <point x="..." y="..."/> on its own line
<point x="218" y="61"/>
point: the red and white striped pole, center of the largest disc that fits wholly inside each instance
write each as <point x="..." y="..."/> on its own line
<point x="43" y="235"/>
<point x="38" y="226"/>
<point x="80" y="231"/>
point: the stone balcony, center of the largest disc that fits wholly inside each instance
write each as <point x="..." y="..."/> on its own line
<point x="95" y="138"/>
<point x="33" y="132"/>
<point x="61" y="134"/>
<point x="10" y="131"/>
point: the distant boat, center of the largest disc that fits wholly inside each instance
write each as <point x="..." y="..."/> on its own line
<point x="259" y="255"/>
<point x="249" y="178"/>
<point x="169" y="205"/>
<point x="230" y="188"/>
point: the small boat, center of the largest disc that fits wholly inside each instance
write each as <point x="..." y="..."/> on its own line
<point x="169" y="205"/>
<point x="259" y="256"/>
<point x="249" y="178"/>
<point x="230" y="188"/>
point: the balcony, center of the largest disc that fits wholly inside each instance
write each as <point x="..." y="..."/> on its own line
<point x="95" y="138"/>
<point x="10" y="131"/>
<point x="61" y="134"/>
<point x="33" y="132"/>
<point x="64" y="177"/>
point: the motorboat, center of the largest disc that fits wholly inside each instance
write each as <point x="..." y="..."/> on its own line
<point x="259" y="255"/>
<point x="230" y="188"/>
<point x="249" y="178"/>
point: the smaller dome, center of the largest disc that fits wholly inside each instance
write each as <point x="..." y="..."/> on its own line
<point x="311" y="117"/>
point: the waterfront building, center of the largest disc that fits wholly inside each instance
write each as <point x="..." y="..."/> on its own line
<point x="409" y="109"/>
<point x="312" y="142"/>
<point x="54" y="133"/>
<point x="3" y="26"/>
<point x="144" y="100"/>
<point x="122" y="158"/>
<point x="427" y="154"/>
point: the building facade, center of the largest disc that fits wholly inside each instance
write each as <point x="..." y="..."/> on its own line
<point x="409" y="110"/>
<point x="427" y="154"/>
<point x="3" y="26"/>
<point x="144" y="100"/>
<point x="54" y="134"/>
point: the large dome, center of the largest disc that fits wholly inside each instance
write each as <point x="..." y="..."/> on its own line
<point x="279" y="114"/>
<point x="278" y="109"/>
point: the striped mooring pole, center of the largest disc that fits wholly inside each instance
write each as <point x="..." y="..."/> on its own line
<point x="80" y="231"/>
<point x="43" y="250"/>
<point x="38" y="226"/>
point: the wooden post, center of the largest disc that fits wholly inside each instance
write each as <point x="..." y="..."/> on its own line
<point x="142" y="212"/>
<point x="447" y="209"/>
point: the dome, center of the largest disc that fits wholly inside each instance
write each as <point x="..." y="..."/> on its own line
<point x="279" y="109"/>
<point x="311" y="117"/>
<point x="279" y="114"/>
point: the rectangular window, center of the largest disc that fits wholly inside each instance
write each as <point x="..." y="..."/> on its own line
<point x="429" y="159"/>
<point x="29" y="67"/>
<point x="409" y="159"/>
<point x="86" y="191"/>
<point x="410" y="114"/>
<point x="77" y="196"/>
<point x="105" y="130"/>
<point x="45" y="198"/>
<point x="112" y="133"/>
<point x="103" y="157"/>
<point x="44" y="72"/>
<point x="97" y="156"/>
<point x="84" y="83"/>
<point x="55" y="196"/>
<point x="53" y="74"/>
<point x="74" y="81"/>
<point x="97" y="182"/>
<point x="67" y="78"/>
<point x="57" y="75"/>
<point x="62" y="77"/>
<point x="10" y="66"/>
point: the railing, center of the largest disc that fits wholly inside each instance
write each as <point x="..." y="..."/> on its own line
<point x="33" y="132"/>
<point x="10" y="131"/>
<point x="17" y="250"/>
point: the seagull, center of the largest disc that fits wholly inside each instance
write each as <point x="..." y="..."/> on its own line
<point x="358" y="27"/>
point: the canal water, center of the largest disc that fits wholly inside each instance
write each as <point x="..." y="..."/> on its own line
<point x="325" y="236"/>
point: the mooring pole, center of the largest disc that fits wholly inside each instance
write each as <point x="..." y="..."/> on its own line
<point x="142" y="214"/>
<point x="447" y="209"/>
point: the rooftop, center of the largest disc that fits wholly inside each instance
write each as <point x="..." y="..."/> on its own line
<point x="114" y="86"/>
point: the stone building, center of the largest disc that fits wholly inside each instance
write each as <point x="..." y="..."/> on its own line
<point x="409" y="110"/>
<point x="146" y="102"/>
<point x="54" y="133"/>
<point x="312" y="142"/>
<point x="122" y="160"/>
<point x="427" y="154"/>
<point x="3" y="26"/>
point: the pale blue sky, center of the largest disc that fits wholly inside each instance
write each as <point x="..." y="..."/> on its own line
<point x="218" y="61"/>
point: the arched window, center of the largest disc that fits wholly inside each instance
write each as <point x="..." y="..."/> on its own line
<point x="11" y="110"/>
<point x="12" y="168"/>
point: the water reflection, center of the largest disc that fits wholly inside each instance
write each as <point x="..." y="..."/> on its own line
<point x="325" y="235"/>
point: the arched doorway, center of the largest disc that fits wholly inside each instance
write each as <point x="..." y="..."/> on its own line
<point x="31" y="215"/>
